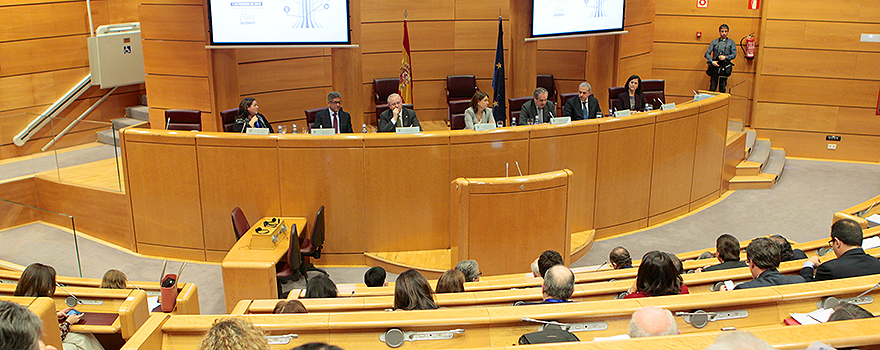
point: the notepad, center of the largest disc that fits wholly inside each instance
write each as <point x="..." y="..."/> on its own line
<point x="815" y="317"/>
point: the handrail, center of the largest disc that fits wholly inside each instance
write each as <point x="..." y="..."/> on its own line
<point x="35" y="125"/>
<point x="78" y="119"/>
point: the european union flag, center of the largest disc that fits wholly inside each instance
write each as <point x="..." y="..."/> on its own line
<point x="499" y="108"/>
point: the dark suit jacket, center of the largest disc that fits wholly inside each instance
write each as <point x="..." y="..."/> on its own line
<point x="409" y="119"/>
<point x="726" y="265"/>
<point x="574" y="110"/>
<point x="322" y="120"/>
<point x="771" y="277"/>
<point x="623" y="102"/>
<point x="242" y="123"/>
<point x="853" y="263"/>
<point x="528" y="112"/>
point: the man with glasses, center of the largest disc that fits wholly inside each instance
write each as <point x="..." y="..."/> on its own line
<point x="397" y="115"/>
<point x="846" y="241"/>
<point x="333" y="117"/>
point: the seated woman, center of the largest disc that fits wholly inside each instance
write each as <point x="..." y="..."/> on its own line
<point x="451" y="281"/>
<point x="657" y="276"/>
<point x="479" y="111"/>
<point x="320" y="286"/>
<point x="38" y="280"/>
<point x="234" y="333"/>
<point x="412" y="292"/>
<point x="289" y="307"/>
<point x="249" y="116"/>
<point x="114" y="279"/>
<point x="633" y="98"/>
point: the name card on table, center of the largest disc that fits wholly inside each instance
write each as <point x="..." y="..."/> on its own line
<point x="667" y="106"/>
<point x="700" y="97"/>
<point x="324" y="132"/>
<point x="257" y="131"/>
<point x="560" y="120"/>
<point x="407" y="130"/>
<point x="485" y="126"/>
<point x="623" y="113"/>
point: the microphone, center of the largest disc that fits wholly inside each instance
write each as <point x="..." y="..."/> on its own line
<point x="507" y="169"/>
<point x="517" y="168"/>
<point x="132" y="283"/>
<point x="862" y="214"/>
<point x="532" y="320"/>
<point x="72" y="300"/>
<point x="167" y="122"/>
<point x="658" y="100"/>
<point x="601" y="266"/>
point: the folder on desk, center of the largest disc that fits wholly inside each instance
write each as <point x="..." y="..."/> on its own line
<point x="873" y="220"/>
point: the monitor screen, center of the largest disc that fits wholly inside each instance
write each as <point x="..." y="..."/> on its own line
<point x="279" y="22"/>
<point x="567" y="17"/>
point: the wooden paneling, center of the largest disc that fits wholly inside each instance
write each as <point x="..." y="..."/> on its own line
<point x="639" y="12"/>
<point x="102" y="214"/>
<point x="290" y="104"/>
<point x="813" y="145"/>
<point x="427" y="65"/>
<point x="715" y="9"/>
<point x="37" y="89"/>
<point x="430" y="94"/>
<point x="684" y="82"/>
<point x="562" y="64"/>
<point x="669" y="55"/>
<point x="190" y="58"/>
<point x="257" y="55"/>
<point x="251" y="184"/>
<point x="834" y="64"/>
<point x="178" y="22"/>
<point x="817" y="10"/>
<point x="614" y="176"/>
<point x="683" y="29"/>
<point x="427" y="35"/>
<point x="22" y="191"/>
<point x="709" y="155"/>
<point x="566" y="44"/>
<point x="171" y="92"/>
<point x="479" y="63"/>
<point x="489" y="158"/>
<point x="335" y="180"/>
<point x="639" y="65"/>
<point x="30" y="56"/>
<point x="489" y="9"/>
<point x="673" y="163"/>
<point x="837" y="92"/>
<point x="49" y="20"/>
<point x="820" y="35"/>
<point x="382" y="11"/>
<point x="478" y="35"/>
<point x="284" y="75"/>
<point x="123" y="11"/>
<point x="637" y="41"/>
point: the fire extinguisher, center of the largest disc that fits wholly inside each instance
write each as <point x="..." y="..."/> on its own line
<point x="749" y="47"/>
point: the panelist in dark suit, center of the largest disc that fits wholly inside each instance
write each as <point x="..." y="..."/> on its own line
<point x="632" y="98"/>
<point x="333" y="117"/>
<point x="249" y="116"/>
<point x="397" y="115"/>
<point x="846" y="241"/>
<point x="538" y="107"/>
<point x="575" y="107"/>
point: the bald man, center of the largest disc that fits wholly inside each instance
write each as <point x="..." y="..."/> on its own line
<point x="652" y="321"/>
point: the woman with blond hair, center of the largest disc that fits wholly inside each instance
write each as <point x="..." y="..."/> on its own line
<point x="234" y="334"/>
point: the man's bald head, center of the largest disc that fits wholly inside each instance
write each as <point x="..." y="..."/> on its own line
<point x="652" y="321"/>
<point x="558" y="283"/>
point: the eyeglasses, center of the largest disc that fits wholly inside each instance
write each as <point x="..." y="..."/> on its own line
<point x="831" y="242"/>
<point x="336" y="102"/>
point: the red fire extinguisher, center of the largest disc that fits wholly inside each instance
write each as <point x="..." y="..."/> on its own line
<point x="749" y="48"/>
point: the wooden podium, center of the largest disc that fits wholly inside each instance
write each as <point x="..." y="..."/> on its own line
<point x="506" y="223"/>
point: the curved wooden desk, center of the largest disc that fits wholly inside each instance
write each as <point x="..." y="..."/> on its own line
<point x="627" y="173"/>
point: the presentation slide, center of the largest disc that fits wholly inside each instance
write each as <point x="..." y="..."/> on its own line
<point x="560" y="17"/>
<point x="273" y="22"/>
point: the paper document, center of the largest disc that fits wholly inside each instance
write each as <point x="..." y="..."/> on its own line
<point x="873" y="220"/>
<point x="815" y="317"/>
<point x="871" y="242"/>
<point x="152" y="302"/>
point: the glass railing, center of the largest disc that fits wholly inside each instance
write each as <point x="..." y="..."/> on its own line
<point x="739" y="98"/>
<point x="31" y="234"/>
<point x="61" y="151"/>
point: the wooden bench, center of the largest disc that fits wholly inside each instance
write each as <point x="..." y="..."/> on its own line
<point x="45" y="309"/>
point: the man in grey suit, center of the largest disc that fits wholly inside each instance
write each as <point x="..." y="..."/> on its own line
<point x="538" y="108"/>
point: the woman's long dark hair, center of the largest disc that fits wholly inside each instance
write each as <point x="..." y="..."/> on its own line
<point x="412" y="292"/>
<point x="477" y="98"/>
<point x="658" y="275"/>
<point x="638" y="89"/>
<point x="37" y="280"/>
<point x="246" y="102"/>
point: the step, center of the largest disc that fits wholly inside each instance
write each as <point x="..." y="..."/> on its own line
<point x="751" y="182"/>
<point x="138" y="112"/>
<point x="747" y="168"/>
<point x="760" y="153"/>
<point x="107" y="137"/>
<point x="120" y="123"/>
<point x="776" y="164"/>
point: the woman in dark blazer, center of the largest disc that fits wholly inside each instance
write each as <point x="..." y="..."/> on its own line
<point x="249" y="116"/>
<point x="632" y="98"/>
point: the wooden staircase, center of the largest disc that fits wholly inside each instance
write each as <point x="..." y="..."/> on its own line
<point x="763" y="165"/>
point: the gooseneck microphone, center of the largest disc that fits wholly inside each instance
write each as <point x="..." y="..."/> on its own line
<point x="72" y="300"/>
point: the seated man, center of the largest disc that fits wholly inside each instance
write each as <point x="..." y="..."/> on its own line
<point x="558" y="286"/>
<point x="652" y="321"/>
<point x="846" y="241"/>
<point x="375" y="277"/>
<point x="397" y="115"/>
<point x="538" y="107"/>
<point x="586" y="106"/>
<point x="333" y="117"/>
<point x="548" y="259"/>
<point x="848" y="311"/>
<point x="470" y="269"/>
<point x="620" y="258"/>
<point x="785" y="251"/>
<point x="763" y="257"/>
<point x="727" y="252"/>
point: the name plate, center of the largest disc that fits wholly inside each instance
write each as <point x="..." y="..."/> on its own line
<point x="407" y="130"/>
<point x="324" y="132"/>
<point x="257" y="131"/>
<point x="667" y="106"/>
<point x="485" y="126"/>
<point x="700" y="97"/>
<point x="623" y="113"/>
<point x="91" y="302"/>
<point x="560" y="120"/>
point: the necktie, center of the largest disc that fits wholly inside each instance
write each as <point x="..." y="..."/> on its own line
<point x="400" y="119"/>
<point x="585" y="110"/>
<point x="335" y="123"/>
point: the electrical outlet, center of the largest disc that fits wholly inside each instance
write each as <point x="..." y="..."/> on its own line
<point x="832" y="146"/>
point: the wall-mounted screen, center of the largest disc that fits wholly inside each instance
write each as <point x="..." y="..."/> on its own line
<point x="279" y="22"/>
<point x="566" y="17"/>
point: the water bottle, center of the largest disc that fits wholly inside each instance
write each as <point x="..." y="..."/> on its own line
<point x="649" y="107"/>
<point x="364" y="130"/>
<point x="294" y="128"/>
<point x="512" y="121"/>
<point x="598" y="114"/>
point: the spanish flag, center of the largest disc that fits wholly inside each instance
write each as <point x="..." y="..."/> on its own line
<point x="404" y="87"/>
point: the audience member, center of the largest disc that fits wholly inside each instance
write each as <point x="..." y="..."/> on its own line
<point x="846" y="241"/>
<point x="785" y="251"/>
<point x="657" y="276"/>
<point x="20" y="328"/>
<point x="114" y="279"/>
<point x="727" y="252"/>
<point x="412" y="292"/>
<point x="470" y="269"/>
<point x="548" y="259"/>
<point x="558" y="286"/>
<point x="317" y="346"/>
<point x="534" y="266"/>
<point x="375" y="277"/>
<point x="38" y="280"/>
<point x="289" y="307"/>
<point x="762" y="255"/>
<point x="234" y="334"/>
<point x="320" y="286"/>
<point x="652" y="321"/>
<point x="451" y="281"/>
<point x="739" y="340"/>
<point x="677" y="262"/>
<point x="620" y="259"/>
<point x="848" y="311"/>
